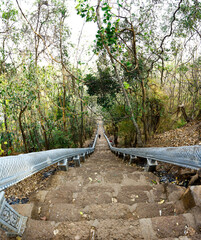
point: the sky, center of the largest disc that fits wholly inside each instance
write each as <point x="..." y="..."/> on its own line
<point x="77" y="26"/>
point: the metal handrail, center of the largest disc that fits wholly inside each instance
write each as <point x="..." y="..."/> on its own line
<point x="186" y="156"/>
<point x="14" y="169"/>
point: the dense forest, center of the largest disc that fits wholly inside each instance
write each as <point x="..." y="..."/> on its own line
<point x="147" y="77"/>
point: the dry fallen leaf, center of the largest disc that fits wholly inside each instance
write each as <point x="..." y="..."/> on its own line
<point x="43" y="218"/>
<point x="56" y="231"/>
<point x="161" y="201"/>
<point x="39" y="210"/>
<point x="114" y="200"/>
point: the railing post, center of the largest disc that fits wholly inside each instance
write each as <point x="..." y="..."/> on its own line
<point x="132" y="157"/>
<point x="63" y="165"/>
<point x="151" y="165"/>
<point x="76" y="160"/>
<point x="10" y="221"/>
<point x="82" y="157"/>
<point x="125" y="157"/>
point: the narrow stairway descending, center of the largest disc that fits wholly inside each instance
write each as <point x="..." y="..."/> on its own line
<point x="106" y="198"/>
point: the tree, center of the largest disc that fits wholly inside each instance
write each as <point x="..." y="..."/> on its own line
<point x="129" y="34"/>
<point x="8" y="26"/>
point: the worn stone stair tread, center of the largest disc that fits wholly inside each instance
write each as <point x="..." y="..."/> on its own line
<point x="101" y="193"/>
<point x="149" y="210"/>
<point x="150" y="228"/>
<point x="195" y="237"/>
<point x="171" y="226"/>
<point x="196" y="212"/>
<point x="135" y="194"/>
<point x="24" y="209"/>
<point x="58" y="212"/>
<point x="117" y="210"/>
<point x="70" y="212"/>
<point x="106" y="229"/>
<point x="36" y="229"/>
<point x="39" y="196"/>
<point x="111" y="176"/>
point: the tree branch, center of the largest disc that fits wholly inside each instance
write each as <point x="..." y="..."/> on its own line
<point x="171" y="26"/>
<point x="54" y="59"/>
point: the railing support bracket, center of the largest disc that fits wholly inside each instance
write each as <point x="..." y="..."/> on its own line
<point x="132" y="158"/>
<point x="125" y="157"/>
<point x="63" y="165"/>
<point x="82" y="157"/>
<point x="76" y="160"/>
<point x="151" y="165"/>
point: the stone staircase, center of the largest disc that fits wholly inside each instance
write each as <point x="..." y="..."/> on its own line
<point x="108" y="199"/>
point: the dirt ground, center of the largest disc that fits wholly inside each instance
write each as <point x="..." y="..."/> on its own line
<point x="188" y="135"/>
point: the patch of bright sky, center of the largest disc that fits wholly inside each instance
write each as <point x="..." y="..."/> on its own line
<point x="82" y="36"/>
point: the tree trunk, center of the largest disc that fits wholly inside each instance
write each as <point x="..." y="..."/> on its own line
<point x="6" y="127"/>
<point x="63" y="76"/>
<point x="199" y="115"/>
<point x="81" y="125"/>
<point x="115" y="134"/>
<point x="42" y="125"/>
<point x="144" y="120"/>
<point x="22" y="129"/>
<point x="45" y="137"/>
<point x="139" y="136"/>
<point x="183" y="110"/>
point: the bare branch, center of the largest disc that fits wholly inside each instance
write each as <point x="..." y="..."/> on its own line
<point x="54" y="59"/>
<point x="171" y="26"/>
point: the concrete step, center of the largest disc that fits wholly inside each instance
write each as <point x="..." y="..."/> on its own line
<point x="166" y="227"/>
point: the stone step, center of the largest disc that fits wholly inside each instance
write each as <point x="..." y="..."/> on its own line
<point x="170" y="226"/>
<point x="195" y="237"/>
<point x="81" y="194"/>
<point x="100" y="194"/>
<point x="137" y="194"/>
<point x="165" y="227"/>
<point x="88" y="176"/>
<point x="115" y="210"/>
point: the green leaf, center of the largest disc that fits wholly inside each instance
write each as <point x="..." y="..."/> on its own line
<point x="126" y="85"/>
<point x="128" y="64"/>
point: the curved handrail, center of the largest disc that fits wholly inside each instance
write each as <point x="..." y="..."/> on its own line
<point x="186" y="156"/>
<point x="14" y="169"/>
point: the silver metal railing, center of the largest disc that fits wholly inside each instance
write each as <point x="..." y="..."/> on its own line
<point x="187" y="156"/>
<point x="14" y="169"/>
